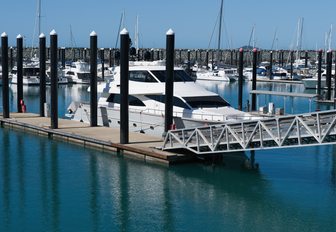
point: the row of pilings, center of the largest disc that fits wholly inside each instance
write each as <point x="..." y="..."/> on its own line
<point x="125" y="54"/>
<point x="202" y="57"/>
<point x="54" y="54"/>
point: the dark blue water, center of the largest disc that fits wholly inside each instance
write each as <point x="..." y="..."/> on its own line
<point x="47" y="185"/>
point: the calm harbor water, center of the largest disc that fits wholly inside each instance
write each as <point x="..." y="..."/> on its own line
<point x="47" y="185"/>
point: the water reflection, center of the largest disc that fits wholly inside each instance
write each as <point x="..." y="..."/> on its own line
<point x="55" y="193"/>
<point x="21" y="174"/>
<point x="94" y="189"/>
<point x="65" y="186"/>
<point x="6" y="181"/>
<point x="43" y="174"/>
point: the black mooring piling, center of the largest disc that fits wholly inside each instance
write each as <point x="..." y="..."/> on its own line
<point x="63" y="57"/>
<point x="93" y="79"/>
<point x="240" y="79"/>
<point x="254" y="79"/>
<point x="5" y="86"/>
<point x="306" y="59"/>
<point x="271" y="64"/>
<point x="42" y="43"/>
<point x="19" y="74"/>
<point x="102" y="62"/>
<point x="170" y="43"/>
<point x="11" y="58"/>
<point x="291" y="64"/>
<point x="319" y="73"/>
<point x="328" y="77"/>
<point x="53" y="80"/>
<point x="110" y="57"/>
<point x="188" y="58"/>
<point x="124" y="73"/>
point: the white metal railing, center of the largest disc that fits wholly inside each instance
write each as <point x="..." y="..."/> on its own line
<point x="311" y="129"/>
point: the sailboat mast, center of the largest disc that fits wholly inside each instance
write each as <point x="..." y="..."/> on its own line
<point x="299" y="38"/>
<point x="220" y="30"/>
<point x="137" y="34"/>
<point x="39" y="17"/>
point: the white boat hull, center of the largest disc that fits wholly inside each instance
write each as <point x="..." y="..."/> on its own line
<point x="311" y="83"/>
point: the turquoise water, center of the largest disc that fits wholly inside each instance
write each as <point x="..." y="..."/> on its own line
<point x="47" y="185"/>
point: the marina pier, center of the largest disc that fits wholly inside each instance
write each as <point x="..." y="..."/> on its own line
<point x="103" y="138"/>
<point x="178" y="145"/>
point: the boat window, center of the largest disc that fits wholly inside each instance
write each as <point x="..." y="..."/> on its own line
<point x="179" y="75"/>
<point x="31" y="71"/>
<point x="84" y="76"/>
<point x="206" y="101"/>
<point x="176" y="101"/>
<point x="141" y="76"/>
<point x="132" y="101"/>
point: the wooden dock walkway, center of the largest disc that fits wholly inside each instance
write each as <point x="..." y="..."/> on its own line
<point x="104" y="138"/>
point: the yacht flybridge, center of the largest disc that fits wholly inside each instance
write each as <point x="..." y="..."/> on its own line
<point x="193" y="104"/>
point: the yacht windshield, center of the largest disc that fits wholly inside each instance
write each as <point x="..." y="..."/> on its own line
<point x="179" y="75"/>
<point x="206" y="101"/>
<point x="132" y="101"/>
<point x="141" y="76"/>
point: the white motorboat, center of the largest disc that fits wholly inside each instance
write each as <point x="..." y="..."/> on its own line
<point x="62" y="79"/>
<point x="30" y="74"/>
<point x="261" y="73"/>
<point x="107" y="73"/>
<point x="213" y="75"/>
<point x="78" y="72"/>
<point x="193" y="104"/>
<point x="311" y="83"/>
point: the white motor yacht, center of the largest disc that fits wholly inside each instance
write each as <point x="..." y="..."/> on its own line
<point x="30" y="74"/>
<point x="193" y="104"/>
<point x="78" y="72"/>
<point x="311" y="83"/>
<point x="213" y="75"/>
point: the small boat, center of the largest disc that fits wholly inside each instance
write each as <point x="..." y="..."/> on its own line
<point x="212" y="75"/>
<point x="30" y="73"/>
<point x="311" y="83"/>
<point x="78" y="72"/>
<point x="62" y="79"/>
<point x="261" y="73"/>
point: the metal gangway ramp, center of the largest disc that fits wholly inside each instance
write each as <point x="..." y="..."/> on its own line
<point x="310" y="129"/>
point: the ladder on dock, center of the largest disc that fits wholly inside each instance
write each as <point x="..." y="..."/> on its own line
<point x="311" y="129"/>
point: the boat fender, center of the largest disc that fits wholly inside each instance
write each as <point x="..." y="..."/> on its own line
<point x="23" y="106"/>
<point x="173" y="126"/>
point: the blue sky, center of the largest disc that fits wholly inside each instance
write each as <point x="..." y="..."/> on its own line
<point x="193" y="21"/>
